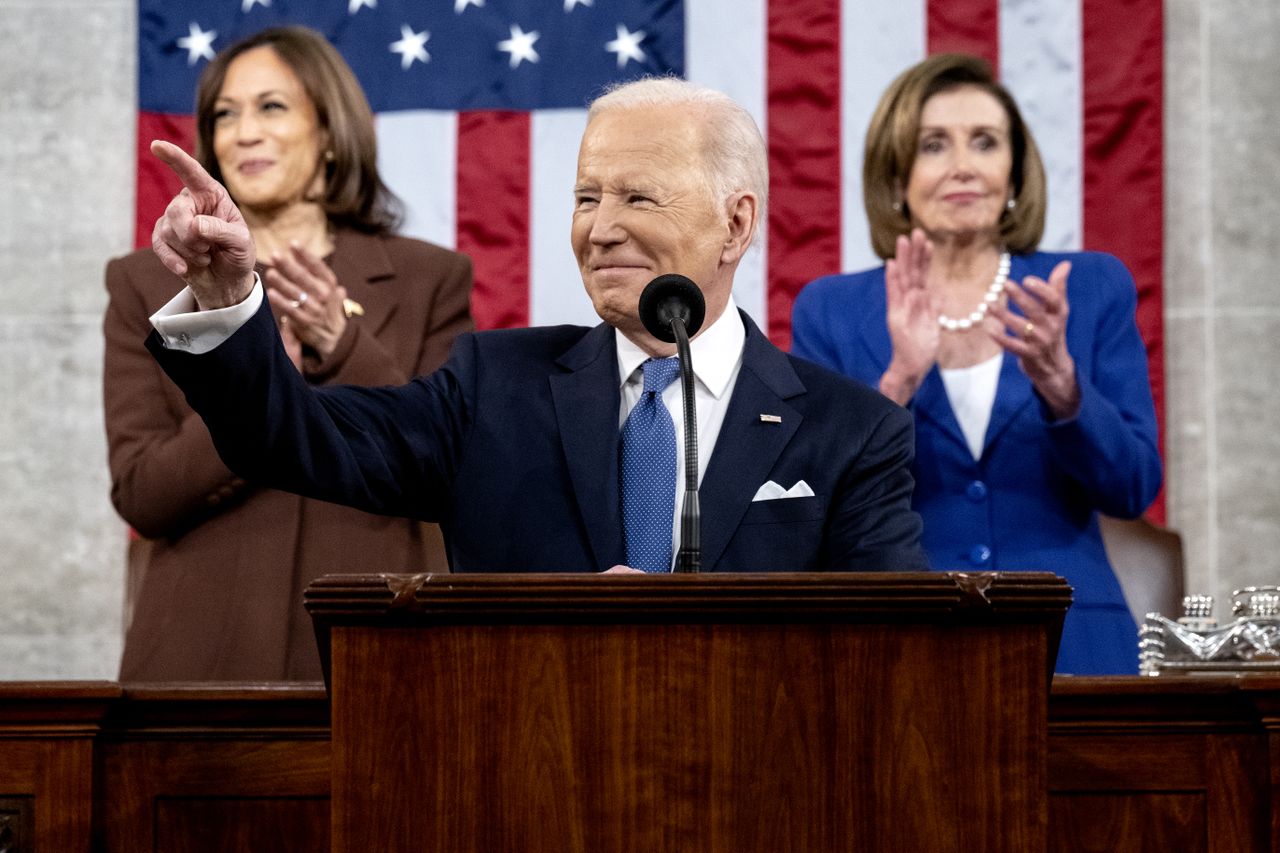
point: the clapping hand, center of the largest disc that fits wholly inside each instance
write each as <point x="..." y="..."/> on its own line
<point x="306" y="296"/>
<point x="201" y="237"/>
<point x="1038" y="337"/>
<point x="912" y="317"/>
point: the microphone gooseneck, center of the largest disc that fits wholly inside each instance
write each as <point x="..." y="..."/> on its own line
<point x="672" y="308"/>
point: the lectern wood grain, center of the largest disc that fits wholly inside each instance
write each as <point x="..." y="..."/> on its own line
<point x="776" y="718"/>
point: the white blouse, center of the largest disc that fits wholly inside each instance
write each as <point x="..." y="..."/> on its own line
<point x="972" y="392"/>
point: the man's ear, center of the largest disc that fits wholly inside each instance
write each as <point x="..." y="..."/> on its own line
<point x="743" y="210"/>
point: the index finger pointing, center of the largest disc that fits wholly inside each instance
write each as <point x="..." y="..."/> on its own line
<point x="188" y="170"/>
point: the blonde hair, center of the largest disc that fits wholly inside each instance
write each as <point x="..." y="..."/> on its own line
<point x="893" y="139"/>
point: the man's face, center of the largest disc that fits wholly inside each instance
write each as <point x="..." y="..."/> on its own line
<point x="643" y="207"/>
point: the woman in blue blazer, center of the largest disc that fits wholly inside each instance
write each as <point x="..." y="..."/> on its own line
<point x="1024" y="369"/>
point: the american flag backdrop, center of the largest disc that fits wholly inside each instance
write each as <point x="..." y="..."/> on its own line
<point x="480" y="105"/>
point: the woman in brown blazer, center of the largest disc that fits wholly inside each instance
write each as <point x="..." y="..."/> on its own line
<point x="282" y="122"/>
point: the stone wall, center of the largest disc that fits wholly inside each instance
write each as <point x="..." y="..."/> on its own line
<point x="66" y="169"/>
<point x="1222" y="300"/>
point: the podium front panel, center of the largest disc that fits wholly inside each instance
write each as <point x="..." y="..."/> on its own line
<point x="807" y="732"/>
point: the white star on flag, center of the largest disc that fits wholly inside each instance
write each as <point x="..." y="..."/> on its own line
<point x="626" y="45"/>
<point x="249" y="4"/>
<point x="459" y="5"/>
<point x="410" y="47"/>
<point x="520" y="45"/>
<point x="570" y="4"/>
<point x="356" y="5"/>
<point x="198" y="44"/>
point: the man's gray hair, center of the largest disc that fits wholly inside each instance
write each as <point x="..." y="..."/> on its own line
<point x="735" y="154"/>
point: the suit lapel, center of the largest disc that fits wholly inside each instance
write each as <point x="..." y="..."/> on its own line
<point x="587" y="400"/>
<point x="362" y="266"/>
<point x="874" y="331"/>
<point x="1013" y="394"/>
<point x="932" y="403"/>
<point x="747" y="448"/>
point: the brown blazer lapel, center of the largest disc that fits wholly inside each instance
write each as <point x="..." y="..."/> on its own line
<point x="362" y="266"/>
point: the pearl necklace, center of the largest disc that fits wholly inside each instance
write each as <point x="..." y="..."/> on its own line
<point x="993" y="293"/>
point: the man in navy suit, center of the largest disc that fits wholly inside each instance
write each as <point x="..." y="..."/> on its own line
<point x="513" y="445"/>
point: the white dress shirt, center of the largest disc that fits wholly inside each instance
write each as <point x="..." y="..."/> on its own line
<point x="183" y="326"/>
<point x="717" y="358"/>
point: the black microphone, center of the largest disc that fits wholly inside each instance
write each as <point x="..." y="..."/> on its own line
<point x="672" y="309"/>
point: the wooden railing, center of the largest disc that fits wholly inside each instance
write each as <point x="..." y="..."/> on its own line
<point x="1169" y="764"/>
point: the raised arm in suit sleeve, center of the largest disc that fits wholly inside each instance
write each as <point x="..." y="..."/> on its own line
<point x="165" y="474"/>
<point x="385" y="450"/>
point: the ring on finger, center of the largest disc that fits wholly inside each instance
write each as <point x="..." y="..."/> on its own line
<point x="301" y="300"/>
<point x="1028" y="329"/>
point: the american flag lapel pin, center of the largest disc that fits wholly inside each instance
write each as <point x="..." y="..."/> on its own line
<point x="770" y="419"/>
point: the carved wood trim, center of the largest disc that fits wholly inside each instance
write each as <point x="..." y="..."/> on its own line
<point x="756" y="597"/>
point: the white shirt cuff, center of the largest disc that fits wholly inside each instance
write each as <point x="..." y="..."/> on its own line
<point x="183" y="326"/>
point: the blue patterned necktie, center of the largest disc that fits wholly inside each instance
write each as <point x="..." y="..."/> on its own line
<point x="647" y="471"/>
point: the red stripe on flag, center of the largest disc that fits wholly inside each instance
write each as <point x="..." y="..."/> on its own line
<point x="157" y="184"/>
<point x="965" y="26"/>
<point x="1123" y="163"/>
<point x="493" y="214"/>
<point x="804" y="152"/>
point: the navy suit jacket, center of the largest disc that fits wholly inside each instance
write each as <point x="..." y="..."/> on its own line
<point x="1030" y="503"/>
<point x="512" y="447"/>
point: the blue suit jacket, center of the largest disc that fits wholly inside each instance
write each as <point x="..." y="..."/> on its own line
<point x="513" y="447"/>
<point x="1030" y="502"/>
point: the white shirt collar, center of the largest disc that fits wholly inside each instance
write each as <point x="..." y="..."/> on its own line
<point x="715" y="353"/>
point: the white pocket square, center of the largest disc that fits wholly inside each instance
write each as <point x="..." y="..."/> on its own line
<point x="771" y="491"/>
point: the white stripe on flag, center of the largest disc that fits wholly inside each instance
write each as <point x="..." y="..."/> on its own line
<point x="1040" y="62"/>
<point x="555" y="284"/>
<point x="881" y="39"/>
<point x="417" y="156"/>
<point x="730" y="58"/>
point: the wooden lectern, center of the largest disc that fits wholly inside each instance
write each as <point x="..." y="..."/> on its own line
<point x="717" y="713"/>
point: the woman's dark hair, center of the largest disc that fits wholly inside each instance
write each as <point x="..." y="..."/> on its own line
<point x="354" y="194"/>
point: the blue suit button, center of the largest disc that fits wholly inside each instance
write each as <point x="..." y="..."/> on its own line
<point x="976" y="491"/>
<point x="980" y="555"/>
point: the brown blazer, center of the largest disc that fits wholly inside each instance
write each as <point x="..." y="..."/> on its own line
<point x="221" y="593"/>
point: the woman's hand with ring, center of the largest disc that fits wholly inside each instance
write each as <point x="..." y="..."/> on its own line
<point x="302" y="288"/>
<point x="1038" y="337"/>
